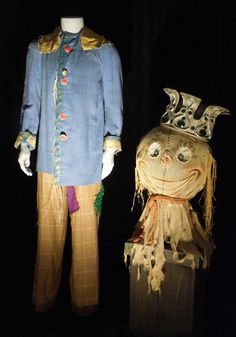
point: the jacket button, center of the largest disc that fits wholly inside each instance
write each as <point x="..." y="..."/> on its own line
<point x="63" y="116"/>
<point x="68" y="49"/>
<point x="64" y="72"/>
<point x="64" y="81"/>
<point x="63" y="136"/>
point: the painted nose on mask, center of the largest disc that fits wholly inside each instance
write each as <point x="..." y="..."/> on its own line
<point x="166" y="159"/>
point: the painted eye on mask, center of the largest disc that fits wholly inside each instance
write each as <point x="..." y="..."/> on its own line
<point x="154" y="150"/>
<point x="183" y="155"/>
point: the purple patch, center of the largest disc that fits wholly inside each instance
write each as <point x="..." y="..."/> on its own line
<point x="72" y="201"/>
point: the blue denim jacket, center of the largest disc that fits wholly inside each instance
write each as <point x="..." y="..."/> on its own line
<point x="72" y="105"/>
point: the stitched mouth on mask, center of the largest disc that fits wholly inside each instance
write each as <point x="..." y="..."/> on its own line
<point x="194" y="175"/>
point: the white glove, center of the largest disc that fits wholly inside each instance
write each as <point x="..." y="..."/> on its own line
<point x="24" y="159"/>
<point x="107" y="162"/>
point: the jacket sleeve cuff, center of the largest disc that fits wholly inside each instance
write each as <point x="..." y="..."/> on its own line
<point x="111" y="142"/>
<point x="27" y="138"/>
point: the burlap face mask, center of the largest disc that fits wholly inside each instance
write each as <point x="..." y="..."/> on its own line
<point x="172" y="164"/>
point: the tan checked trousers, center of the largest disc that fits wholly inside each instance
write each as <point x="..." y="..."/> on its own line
<point x="52" y="227"/>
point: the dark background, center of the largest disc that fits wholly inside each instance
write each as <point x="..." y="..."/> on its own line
<point x="186" y="45"/>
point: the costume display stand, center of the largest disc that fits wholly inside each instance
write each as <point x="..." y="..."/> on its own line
<point x="167" y="313"/>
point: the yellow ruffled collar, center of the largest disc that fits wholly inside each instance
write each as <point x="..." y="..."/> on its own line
<point x="89" y="40"/>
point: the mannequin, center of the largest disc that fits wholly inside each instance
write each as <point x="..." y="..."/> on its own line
<point x="72" y="108"/>
<point x="72" y="24"/>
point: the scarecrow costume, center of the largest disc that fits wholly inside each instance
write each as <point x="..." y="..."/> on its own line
<point x="72" y="112"/>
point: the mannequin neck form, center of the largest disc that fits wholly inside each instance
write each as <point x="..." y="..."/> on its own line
<point x="72" y="24"/>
